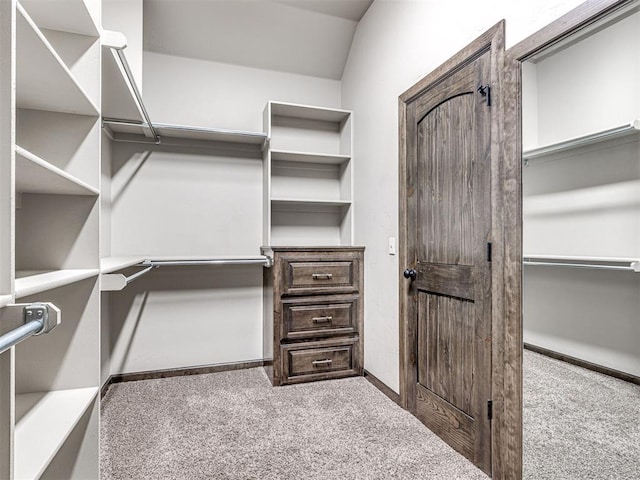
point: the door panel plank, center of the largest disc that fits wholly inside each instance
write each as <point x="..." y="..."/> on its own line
<point x="445" y="421"/>
<point x="451" y="280"/>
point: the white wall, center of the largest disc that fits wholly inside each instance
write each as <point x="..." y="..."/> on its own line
<point x="397" y="43"/>
<point x="187" y="91"/>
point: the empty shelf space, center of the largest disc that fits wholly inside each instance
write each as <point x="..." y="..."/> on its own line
<point x="113" y="264"/>
<point x="43" y="422"/>
<point x="577" y="258"/>
<point x="76" y="17"/>
<point x="306" y="112"/>
<point x="292" y="156"/>
<point x="626" y="130"/>
<point x="40" y="72"/>
<point x="35" y="175"/>
<point x="29" y="282"/>
<point x="118" y="97"/>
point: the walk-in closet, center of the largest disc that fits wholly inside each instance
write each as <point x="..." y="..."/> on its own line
<point x="581" y="245"/>
<point x="205" y="266"/>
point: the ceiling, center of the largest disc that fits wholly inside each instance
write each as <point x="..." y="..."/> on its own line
<point x="308" y="37"/>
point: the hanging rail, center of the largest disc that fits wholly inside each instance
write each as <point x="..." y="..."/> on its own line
<point x="116" y="281"/>
<point x="632" y="267"/>
<point x="38" y="318"/>
<point x="262" y="260"/>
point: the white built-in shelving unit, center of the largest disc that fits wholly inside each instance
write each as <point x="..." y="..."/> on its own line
<point x="581" y="186"/>
<point x="51" y="132"/>
<point x="308" y="176"/>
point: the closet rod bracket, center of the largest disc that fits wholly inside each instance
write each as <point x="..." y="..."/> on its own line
<point x="26" y="320"/>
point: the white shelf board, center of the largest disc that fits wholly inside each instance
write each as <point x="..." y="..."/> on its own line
<point x="113" y="264"/>
<point x="44" y="421"/>
<point x="575" y="258"/>
<point x="297" y="201"/>
<point x="632" y="128"/>
<point x="35" y="175"/>
<point x="307" y="112"/>
<point x="29" y="282"/>
<point x="308" y="157"/>
<point x="43" y="80"/>
<point x="118" y="98"/>
<point x="197" y="135"/>
<point x="64" y="15"/>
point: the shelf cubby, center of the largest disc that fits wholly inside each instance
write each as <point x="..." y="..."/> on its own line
<point x="40" y="71"/>
<point x="46" y="419"/>
<point x="35" y="175"/>
<point x="308" y="176"/>
<point x="79" y="15"/>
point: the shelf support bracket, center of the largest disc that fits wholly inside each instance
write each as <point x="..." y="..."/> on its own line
<point x="23" y="320"/>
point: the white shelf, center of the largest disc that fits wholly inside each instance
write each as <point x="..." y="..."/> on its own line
<point x="35" y="175"/>
<point x="43" y="80"/>
<point x="306" y="157"/>
<point x="29" y="282"/>
<point x="189" y="135"/>
<point x="76" y="17"/>
<point x="306" y="112"/>
<point x="626" y="130"/>
<point x="573" y="258"/>
<point x="113" y="264"/>
<point x="294" y="204"/>
<point x="44" y="421"/>
<point x="118" y="98"/>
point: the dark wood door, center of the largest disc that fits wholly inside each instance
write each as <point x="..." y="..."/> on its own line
<point x="448" y="247"/>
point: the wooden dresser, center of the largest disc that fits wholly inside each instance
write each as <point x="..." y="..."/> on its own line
<point x="313" y="313"/>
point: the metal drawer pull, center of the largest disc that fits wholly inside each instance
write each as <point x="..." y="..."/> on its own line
<point x="326" y="361"/>
<point x="322" y="276"/>
<point x="326" y="319"/>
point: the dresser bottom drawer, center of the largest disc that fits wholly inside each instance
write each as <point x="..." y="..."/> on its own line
<point x="304" y="362"/>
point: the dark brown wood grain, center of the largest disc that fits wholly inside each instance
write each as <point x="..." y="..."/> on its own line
<point x="308" y="317"/>
<point x="313" y="316"/>
<point x="446" y="158"/>
<point x="453" y="280"/>
<point x="321" y="360"/>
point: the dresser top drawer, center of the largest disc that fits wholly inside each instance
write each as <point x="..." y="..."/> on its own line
<point x="312" y="273"/>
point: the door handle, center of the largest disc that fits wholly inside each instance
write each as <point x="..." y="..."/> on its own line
<point x="410" y="273"/>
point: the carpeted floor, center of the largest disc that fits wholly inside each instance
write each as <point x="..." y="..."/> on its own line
<point x="234" y="425"/>
<point x="578" y="425"/>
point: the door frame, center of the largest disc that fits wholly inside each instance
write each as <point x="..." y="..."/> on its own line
<point x="507" y="229"/>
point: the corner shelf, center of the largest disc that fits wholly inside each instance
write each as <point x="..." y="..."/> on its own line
<point x="43" y="422"/>
<point x="34" y="56"/>
<point x="29" y="282"/>
<point x="77" y="18"/>
<point x="35" y="175"/>
<point x="629" y="129"/>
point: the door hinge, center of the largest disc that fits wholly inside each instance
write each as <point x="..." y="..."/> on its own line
<point x="485" y="91"/>
<point x="489" y="245"/>
<point x="490" y="409"/>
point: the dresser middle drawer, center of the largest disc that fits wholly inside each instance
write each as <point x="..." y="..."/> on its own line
<point x="319" y="317"/>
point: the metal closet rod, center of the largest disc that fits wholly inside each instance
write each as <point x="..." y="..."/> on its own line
<point x="266" y="262"/>
<point x="633" y="267"/>
<point x="127" y="70"/>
